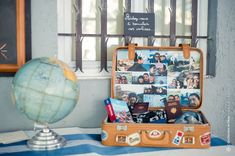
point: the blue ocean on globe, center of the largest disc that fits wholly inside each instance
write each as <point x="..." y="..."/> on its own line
<point x="45" y="90"/>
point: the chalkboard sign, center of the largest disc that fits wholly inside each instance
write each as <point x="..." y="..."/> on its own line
<point x="139" y="24"/>
<point x="8" y="32"/>
<point x="12" y="35"/>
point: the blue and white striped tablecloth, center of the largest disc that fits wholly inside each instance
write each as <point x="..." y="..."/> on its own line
<point x="89" y="144"/>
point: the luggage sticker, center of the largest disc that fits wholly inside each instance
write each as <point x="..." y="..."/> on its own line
<point x="188" y="140"/>
<point x="121" y="139"/>
<point x="133" y="139"/>
<point x="178" y="137"/>
<point x="104" y="135"/>
<point x="121" y="127"/>
<point x="205" y="139"/>
<point x="189" y="128"/>
<point x="155" y="134"/>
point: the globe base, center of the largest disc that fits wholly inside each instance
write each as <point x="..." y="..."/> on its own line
<point x="46" y="139"/>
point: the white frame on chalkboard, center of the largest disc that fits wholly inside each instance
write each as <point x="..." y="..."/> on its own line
<point x="66" y="19"/>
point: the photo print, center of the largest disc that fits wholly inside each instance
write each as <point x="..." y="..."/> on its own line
<point x="161" y="69"/>
<point x="173" y="81"/>
<point x="145" y="55"/>
<point x="129" y="93"/>
<point x="158" y="63"/>
<point x="173" y="95"/>
<point x="183" y="80"/>
<point x="194" y="61"/>
<point x="123" y="78"/>
<point x="155" y="100"/>
<point x="157" y="90"/>
<point x="190" y="98"/>
<point x="122" y="54"/>
<point x="124" y="65"/>
<point x="191" y="80"/>
<point x="139" y="64"/>
<point x="157" y="56"/>
<point x="143" y="78"/>
<point x="177" y="63"/>
<point x="152" y="56"/>
<point x="161" y="80"/>
<point x="187" y="98"/>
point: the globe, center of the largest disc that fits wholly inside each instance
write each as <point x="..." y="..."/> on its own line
<point x="45" y="90"/>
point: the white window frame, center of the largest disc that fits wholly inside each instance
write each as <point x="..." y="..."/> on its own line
<point x="92" y="68"/>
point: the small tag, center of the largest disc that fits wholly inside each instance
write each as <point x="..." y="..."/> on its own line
<point x="188" y="140"/>
<point x="121" y="139"/>
<point x="188" y="128"/>
<point x="121" y="127"/>
<point x="133" y="139"/>
<point x="205" y="139"/>
<point x="178" y="137"/>
<point x="155" y="134"/>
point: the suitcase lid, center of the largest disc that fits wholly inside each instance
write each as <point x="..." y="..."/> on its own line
<point x="158" y="74"/>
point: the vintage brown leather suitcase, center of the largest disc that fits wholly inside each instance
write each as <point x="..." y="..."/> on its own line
<point x="178" y="74"/>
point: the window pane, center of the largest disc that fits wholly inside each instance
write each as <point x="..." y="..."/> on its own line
<point x="74" y="15"/>
<point x="73" y="22"/>
<point x="73" y="49"/>
<point x="91" y="48"/>
<point x="139" y="5"/>
<point x="140" y="41"/>
<point x="182" y="41"/>
<point x="115" y="16"/>
<point x="112" y="44"/>
<point x="183" y="17"/>
<point x="90" y="16"/>
<point x="162" y="17"/>
<point x="202" y="17"/>
<point x="161" y="42"/>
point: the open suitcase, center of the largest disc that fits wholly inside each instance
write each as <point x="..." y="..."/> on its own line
<point x="178" y="73"/>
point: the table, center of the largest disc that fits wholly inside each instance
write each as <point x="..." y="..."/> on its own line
<point x="86" y="142"/>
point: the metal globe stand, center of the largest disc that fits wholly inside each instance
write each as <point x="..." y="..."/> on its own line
<point x="46" y="139"/>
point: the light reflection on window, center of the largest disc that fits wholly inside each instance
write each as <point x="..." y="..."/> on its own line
<point x="112" y="44"/>
<point x="90" y="16"/>
<point x="90" y="48"/>
<point x="183" y="17"/>
<point x="162" y="17"/>
<point x="161" y="42"/>
<point x="115" y="11"/>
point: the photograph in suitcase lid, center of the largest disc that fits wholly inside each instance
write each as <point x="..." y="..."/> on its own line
<point x="158" y="77"/>
<point x="154" y="76"/>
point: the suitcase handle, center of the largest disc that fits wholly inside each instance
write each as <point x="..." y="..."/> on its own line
<point x="161" y="140"/>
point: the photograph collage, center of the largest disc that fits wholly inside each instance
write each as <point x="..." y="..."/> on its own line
<point x="157" y="77"/>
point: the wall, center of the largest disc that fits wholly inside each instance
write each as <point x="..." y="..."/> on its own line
<point x="218" y="91"/>
<point x="44" y="43"/>
<point x="90" y="110"/>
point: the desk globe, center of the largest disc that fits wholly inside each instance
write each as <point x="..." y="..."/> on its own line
<point x="45" y="90"/>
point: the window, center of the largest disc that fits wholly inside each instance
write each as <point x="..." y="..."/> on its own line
<point x="99" y="30"/>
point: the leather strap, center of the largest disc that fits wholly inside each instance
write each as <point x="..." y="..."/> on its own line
<point x="186" y="50"/>
<point x="131" y="51"/>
